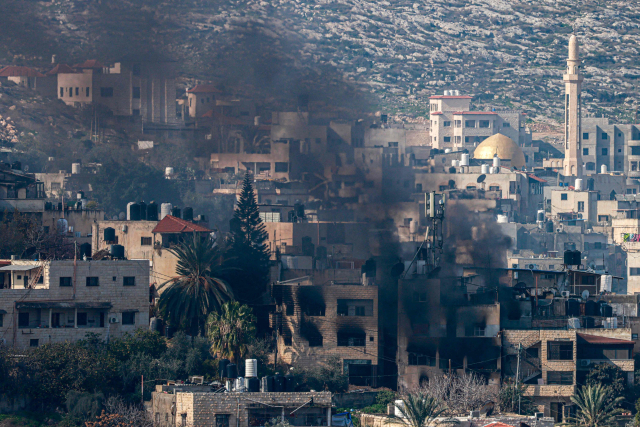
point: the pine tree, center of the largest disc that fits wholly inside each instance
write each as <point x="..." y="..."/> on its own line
<point x="249" y="253"/>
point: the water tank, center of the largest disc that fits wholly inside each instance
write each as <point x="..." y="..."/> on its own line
<point x="175" y="211"/>
<point x="607" y="310"/>
<point x="251" y="368"/>
<point x="573" y="323"/>
<point x="85" y="250"/>
<point x="496" y="161"/>
<point x="168" y="171"/>
<point x="591" y="308"/>
<point x="484" y="169"/>
<point x="152" y="211"/>
<point x="253" y="385"/>
<point x="289" y="383"/>
<point x="232" y="370"/>
<point x="492" y="170"/>
<point x="603" y="169"/>
<point x="62" y="226"/>
<point x="606" y="281"/>
<point x="502" y="219"/>
<point x="143" y="211"/>
<point x="549" y="227"/>
<point x="577" y="258"/>
<point x="413" y="226"/>
<point x="187" y="214"/>
<point x="447" y="150"/>
<point x="278" y="383"/>
<point x="239" y="384"/>
<point x="222" y="367"/>
<point x="578" y="184"/>
<point x="133" y="211"/>
<point x="454" y="163"/>
<point x="572" y="307"/>
<point x="396" y="408"/>
<point x="116" y="251"/>
<point x="540" y="216"/>
<point x="464" y="159"/>
<point x="165" y="209"/>
<point x="267" y="384"/>
<point x="80" y="195"/>
<point x="76" y="168"/>
<point x="568" y="257"/>
<point x="109" y="234"/>
<point x="589" y="322"/>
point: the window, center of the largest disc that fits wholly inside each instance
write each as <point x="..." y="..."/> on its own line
<point x="484" y="123"/>
<point x="447" y="139"/>
<point x="129" y="281"/>
<point x="591" y="166"/>
<point x="136" y="92"/>
<point x="355" y="339"/>
<point x="129" y="318"/>
<point x="1" y="320"/>
<point x="615" y="353"/>
<point x="145" y="241"/>
<point x="494" y="188"/>
<point x="560" y="378"/>
<point x="635" y="151"/>
<point x="585" y="151"/>
<point x="634" y="271"/>
<point x="77" y="91"/>
<point x="82" y="319"/>
<point x="559" y="350"/>
<point x="315" y="340"/>
<point x="93" y="281"/>
<point x="446" y="124"/>
<point x="65" y="281"/>
<point x="184" y="419"/>
<point x="416" y="359"/>
<point x="70" y="92"/>
<point x="288" y="310"/>
<point x="470" y="123"/>
<point x="282" y="167"/>
<point x="360" y="311"/>
<point x="23" y="320"/>
<point x="61" y="92"/>
<point x="222" y="420"/>
<point x="479" y="330"/>
<point x="580" y="206"/>
<point x="466" y="139"/>
<point x="633" y="336"/>
<point x="106" y="92"/>
<point x="87" y="91"/>
<point x="506" y="125"/>
<point x="603" y="218"/>
<point x="604" y="151"/>
<point x="532" y="352"/>
<point x="604" y="136"/>
<point x="34" y="342"/>
<point x="585" y="135"/>
<point x="563" y="196"/>
<point x="458" y="139"/>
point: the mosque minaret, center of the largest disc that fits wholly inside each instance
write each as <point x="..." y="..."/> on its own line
<point x="572" y="112"/>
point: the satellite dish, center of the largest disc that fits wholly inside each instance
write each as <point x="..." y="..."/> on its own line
<point x="585" y="294"/>
<point x="25" y="168"/>
<point x="481" y="178"/>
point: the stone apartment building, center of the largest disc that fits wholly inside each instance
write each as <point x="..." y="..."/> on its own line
<point x="554" y="362"/>
<point x="454" y="125"/>
<point x="321" y="318"/>
<point x="199" y="406"/>
<point x="54" y="301"/>
<point x="577" y="204"/>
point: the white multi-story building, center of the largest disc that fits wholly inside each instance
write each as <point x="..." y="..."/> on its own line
<point x="454" y="125"/>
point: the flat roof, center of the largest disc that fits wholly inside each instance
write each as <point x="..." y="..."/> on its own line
<point x="450" y="97"/>
<point x="21" y="267"/>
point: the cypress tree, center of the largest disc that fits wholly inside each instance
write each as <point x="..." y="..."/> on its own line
<point x="249" y="252"/>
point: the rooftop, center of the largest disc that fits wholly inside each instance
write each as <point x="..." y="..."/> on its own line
<point x="594" y="339"/>
<point x="89" y="63"/>
<point x="16" y="71"/>
<point x="60" y="69"/>
<point x="172" y="224"/>
<point x="450" y="97"/>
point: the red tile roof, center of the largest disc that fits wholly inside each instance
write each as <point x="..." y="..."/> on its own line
<point x="171" y="224"/>
<point x="437" y="113"/>
<point x="450" y="97"/>
<point x="465" y="113"/>
<point x="61" y="69"/>
<point x="16" y="71"/>
<point x="535" y="178"/>
<point x="594" y="339"/>
<point x="89" y="63"/>
<point x="498" y="424"/>
<point x="204" y="89"/>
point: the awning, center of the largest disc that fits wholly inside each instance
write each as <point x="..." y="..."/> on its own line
<point x="19" y="267"/>
<point x="64" y="304"/>
<point x="595" y="339"/>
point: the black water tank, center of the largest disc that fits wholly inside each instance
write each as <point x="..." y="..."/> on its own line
<point x="48" y="206"/>
<point x="254" y="385"/>
<point x="116" y="251"/>
<point x="289" y="383"/>
<point x="267" y="384"/>
<point x="85" y="250"/>
<point x="109" y="234"/>
<point x="278" y="383"/>
<point x="568" y="257"/>
<point x="143" y="211"/>
<point x="577" y="258"/>
<point x="152" y="211"/>
<point x="591" y="308"/>
<point x="308" y="248"/>
<point x="134" y="212"/>
<point x="187" y="214"/>
<point x="321" y="252"/>
<point x="588" y="322"/>
<point x="222" y="367"/>
<point x="607" y="310"/>
<point x="175" y="211"/>
<point x="573" y="307"/>
<point x="232" y="370"/>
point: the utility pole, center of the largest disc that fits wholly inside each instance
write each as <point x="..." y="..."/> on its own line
<point x="518" y="375"/>
<point x="275" y="360"/>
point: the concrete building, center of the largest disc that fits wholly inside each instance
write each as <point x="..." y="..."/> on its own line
<point x="45" y="302"/>
<point x="576" y="204"/>
<point x="454" y="125"/>
<point x="193" y="406"/>
<point x="323" y="318"/>
<point x="202" y="99"/>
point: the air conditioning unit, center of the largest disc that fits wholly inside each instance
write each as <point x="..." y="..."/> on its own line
<point x="113" y="319"/>
<point x="565" y="294"/>
<point x="531" y="266"/>
<point x="585" y="362"/>
<point x="124" y="228"/>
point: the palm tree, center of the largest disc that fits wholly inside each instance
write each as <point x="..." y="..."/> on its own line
<point x="230" y="330"/>
<point x="593" y="409"/>
<point x="197" y="289"/>
<point x="417" y="410"/>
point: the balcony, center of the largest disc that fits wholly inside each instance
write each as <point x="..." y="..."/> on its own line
<point x="550" y="390"/>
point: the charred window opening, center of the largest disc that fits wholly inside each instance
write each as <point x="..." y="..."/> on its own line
<point x="559" y="350"/>
<point x="311" y="300"/>
<point x="351" y="338"/>
<point x="310" y="332"/>
<point x="417" y="359"/>
<point x="355" y="307"/>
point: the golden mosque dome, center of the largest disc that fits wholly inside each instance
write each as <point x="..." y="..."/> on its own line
<point x="504" y="147"/>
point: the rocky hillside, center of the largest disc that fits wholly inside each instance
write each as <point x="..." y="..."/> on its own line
<point x="371" y="54"/>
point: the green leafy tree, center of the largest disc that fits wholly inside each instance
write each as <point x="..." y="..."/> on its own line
<point x="593" y="410"/>
<point x="512" y="398"/>
<point x="231" y="330"/>
<point x="609" y="376"/>
<point x="249" y="253"/>
<point x="197" y="290"/>
<point x="323" y="376"/>
<point x="417" y="410"/>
